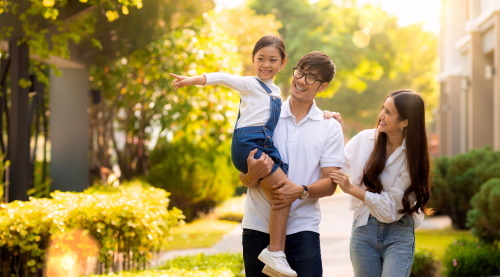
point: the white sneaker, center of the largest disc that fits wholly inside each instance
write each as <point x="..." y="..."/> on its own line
<point x="271" y="272"/>
<point x="276" y="261"/>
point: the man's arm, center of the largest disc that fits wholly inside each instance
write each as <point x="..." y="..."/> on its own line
<point x="257" y="169"/>
<point x="286" y="191"/>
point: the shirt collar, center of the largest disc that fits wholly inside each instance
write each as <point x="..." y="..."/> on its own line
<point x="396" y="153"/>
<point x="374" y="135"/>
<point x="314" y="112"/>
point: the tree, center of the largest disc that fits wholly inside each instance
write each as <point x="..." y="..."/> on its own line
<point x="187" y="131"/>
<point x="372" y="53"/>
<point x="139" y="98"/>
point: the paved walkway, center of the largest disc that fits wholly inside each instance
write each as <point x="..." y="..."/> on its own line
<point x="335" y="230"/>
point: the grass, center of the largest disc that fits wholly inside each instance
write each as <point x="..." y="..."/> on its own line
<point x="199" y="234"/>
<point x="208" y="230"/>
<point x="437" y="240"/>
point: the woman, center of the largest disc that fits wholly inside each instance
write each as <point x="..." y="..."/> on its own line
<point x="388" y="180"/>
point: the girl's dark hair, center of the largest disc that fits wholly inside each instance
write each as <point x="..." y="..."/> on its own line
<point x="320" y="62"/>
<point x="410" y="105"/>
<point x="265" y="41"/>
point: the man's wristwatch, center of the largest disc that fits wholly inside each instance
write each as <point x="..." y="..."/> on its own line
<point x="304" y="194"/>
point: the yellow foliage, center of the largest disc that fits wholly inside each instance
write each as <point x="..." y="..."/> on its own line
<point x="48" y="3"/>
<point x="112" y="15"/>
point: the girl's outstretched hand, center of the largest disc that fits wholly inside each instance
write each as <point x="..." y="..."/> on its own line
<point x="183" y="81"/>
<point x="179" y="81"/>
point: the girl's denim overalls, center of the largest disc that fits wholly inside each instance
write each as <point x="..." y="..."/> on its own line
<point x="246" y="139"/>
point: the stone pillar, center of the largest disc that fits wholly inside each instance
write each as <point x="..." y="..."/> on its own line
<point x="496" y="82"/>
<point x="69" y="129"/>
<point x="480" y="98"/>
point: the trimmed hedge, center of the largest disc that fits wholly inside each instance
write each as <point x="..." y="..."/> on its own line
<point x="173" y="273"/>
<point x="129" y="222"/>
<point x="231" y="261"/>
<point x="484" y="218"/>
<point x="199" y="265"/>
<point x="466" y="258"/>
<point x="457" y="179"/>
<point x="424" y="264"/>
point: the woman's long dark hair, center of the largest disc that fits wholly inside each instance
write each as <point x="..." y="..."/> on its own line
<point x="410" y="106"/>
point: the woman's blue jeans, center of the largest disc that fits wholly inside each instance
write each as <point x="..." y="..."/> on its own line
<point x="380" y="249"/>
<point x="302" y="250"/>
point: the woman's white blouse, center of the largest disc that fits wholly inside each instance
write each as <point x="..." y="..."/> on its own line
<point x="395" y="178"/>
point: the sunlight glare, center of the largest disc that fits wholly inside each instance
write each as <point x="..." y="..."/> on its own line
<point x="410" y="11"/>
<point x="231" y="4"/>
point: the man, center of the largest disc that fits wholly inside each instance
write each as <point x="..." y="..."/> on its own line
<point x="313" y="147"/>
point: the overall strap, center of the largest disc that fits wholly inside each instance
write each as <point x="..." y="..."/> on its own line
<point x="264" y="86"/>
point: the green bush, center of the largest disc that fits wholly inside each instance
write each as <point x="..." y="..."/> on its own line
<point x="231" y="261"/>
<point x="484" y="219"/>
<point x="198" y="176"/>
<point x="129" y="222"/>
<point x="456" y="180"/>
<point x="173" y="273"/>
<point x="25" y="229"/>
<point x="424" y="264"/>
<point x="439" y="174"/>
<point x="471" y="258"/>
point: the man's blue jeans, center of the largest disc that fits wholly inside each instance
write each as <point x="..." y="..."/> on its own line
<point x="302" y="251"/>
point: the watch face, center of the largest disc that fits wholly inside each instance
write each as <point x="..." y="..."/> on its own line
<point x="304" y="195"/>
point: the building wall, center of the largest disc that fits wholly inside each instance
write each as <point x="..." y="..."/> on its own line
<point x="469" y="115"/>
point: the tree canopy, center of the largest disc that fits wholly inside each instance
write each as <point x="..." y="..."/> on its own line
<point x="373" y="54"/>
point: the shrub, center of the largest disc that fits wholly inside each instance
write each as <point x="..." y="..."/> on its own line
<point x="231" y="261"/>
<point x="129" y="222"/>
<point x="456" y="180"/>
<point x="424" y="264"/>
<point x="173" y="273"/>
<point x="484" y="219"/>
<point x="471" y="258"/>
<point x="198" y="177"/>
<point x="25" y="229"/>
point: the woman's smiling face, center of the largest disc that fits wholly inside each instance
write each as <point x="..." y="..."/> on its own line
<point x="389" y="120"/>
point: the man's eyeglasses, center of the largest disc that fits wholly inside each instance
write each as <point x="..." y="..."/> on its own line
<point x="310" y="79"/>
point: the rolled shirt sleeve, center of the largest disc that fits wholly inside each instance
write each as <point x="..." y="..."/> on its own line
<point x="384" y="206"/>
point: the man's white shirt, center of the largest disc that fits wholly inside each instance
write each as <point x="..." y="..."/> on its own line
<point x="308" y="146"/>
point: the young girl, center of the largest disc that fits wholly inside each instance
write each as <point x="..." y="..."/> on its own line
<point x="388" y="180"/>
<point x="259" y="113"/>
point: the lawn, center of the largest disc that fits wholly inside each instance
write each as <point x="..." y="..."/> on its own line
<point x="437" y="240"/>
<point x="199" y="234"/>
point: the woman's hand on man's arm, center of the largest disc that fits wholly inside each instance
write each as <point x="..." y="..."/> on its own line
<point x="257" y="169"/>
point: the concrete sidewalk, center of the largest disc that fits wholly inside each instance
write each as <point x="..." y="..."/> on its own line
<point x="335" y="231"/>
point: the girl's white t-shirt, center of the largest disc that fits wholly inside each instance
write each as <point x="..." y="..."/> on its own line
<point x="255" y="108"/>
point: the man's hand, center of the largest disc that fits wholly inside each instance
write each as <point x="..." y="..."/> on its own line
<point x="257" y="169"/>
<point x="285" y="192"/>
